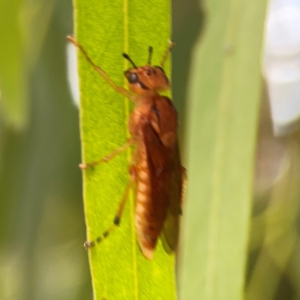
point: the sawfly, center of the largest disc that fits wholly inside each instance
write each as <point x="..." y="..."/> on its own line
<point x="155" y="170"/>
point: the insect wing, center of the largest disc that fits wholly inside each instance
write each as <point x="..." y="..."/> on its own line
<point x="165" y="170"/>
<point x="158" y="163"/>
<point x="171" y="226"/>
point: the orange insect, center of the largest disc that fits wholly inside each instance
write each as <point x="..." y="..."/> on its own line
<point x="155" y="168"/>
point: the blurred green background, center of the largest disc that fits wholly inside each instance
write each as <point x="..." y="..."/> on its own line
<point x="42" y="220"/>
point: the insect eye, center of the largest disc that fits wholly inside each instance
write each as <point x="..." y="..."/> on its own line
<point x="133" y="78"/>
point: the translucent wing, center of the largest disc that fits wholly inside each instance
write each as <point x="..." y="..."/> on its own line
<point x="158" y="158"/>
<point x="162" y="152"/>
<point x="170" y="230"/>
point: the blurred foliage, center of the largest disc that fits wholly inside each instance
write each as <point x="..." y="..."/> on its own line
<point x="13" y="71"/>
<point x="224" y="94"/>
<point x="23" y="26"/>
<point x="273" y="265"/>
<point x="42" y="226"/>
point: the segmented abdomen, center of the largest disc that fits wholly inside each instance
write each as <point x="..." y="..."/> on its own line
<point x="147" y="229"/>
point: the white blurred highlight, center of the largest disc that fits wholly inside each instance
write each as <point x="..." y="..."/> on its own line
<point x="282" y="64"/>
<point x="73" y="73"/>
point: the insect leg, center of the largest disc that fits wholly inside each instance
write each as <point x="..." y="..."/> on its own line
<point x="117" y="88"/>
<point x="108" y="157"/>
<point x="117" y="218"/>
<point x="166" y="54"/>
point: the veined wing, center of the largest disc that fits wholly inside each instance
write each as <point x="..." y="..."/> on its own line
<point x="164" y="164"/>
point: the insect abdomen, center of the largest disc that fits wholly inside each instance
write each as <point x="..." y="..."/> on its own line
<point x="147" y="229"/>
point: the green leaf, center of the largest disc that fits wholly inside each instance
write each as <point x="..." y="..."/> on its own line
<point x="224" y="96"/>
<point x="106" y="29"/>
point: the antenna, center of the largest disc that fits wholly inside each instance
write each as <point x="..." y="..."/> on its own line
<point x="126" y="56"/>
<point x="150" y="50"/>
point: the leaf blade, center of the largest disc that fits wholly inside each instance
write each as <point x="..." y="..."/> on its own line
<point x="119" y="270"/>
<point x="225" y="94"/>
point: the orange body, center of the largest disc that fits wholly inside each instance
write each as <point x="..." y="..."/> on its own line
<point x="155" y="167"/>
<point x="156" y="163"/>
<point x="153" y="125"/>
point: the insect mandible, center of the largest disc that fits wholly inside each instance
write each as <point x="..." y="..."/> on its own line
<point x="155" y="169"/>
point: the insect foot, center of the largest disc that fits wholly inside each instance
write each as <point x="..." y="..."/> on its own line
<point x="87" y="245"/>
<point x="83" y="166"/>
